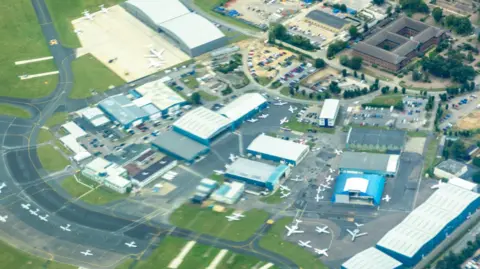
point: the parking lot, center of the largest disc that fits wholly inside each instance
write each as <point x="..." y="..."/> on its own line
<point x="462" y="113"/>
<point x="264" y="61"/>
<point x="297" y="74"/>
<point x="261" y="12"/>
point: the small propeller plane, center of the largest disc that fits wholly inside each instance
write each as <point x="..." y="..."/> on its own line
<point x="305" y="244"/>
<point x="87" y="253"/>
<point x="131" y="244"/>
<point x="322" y="230"/>
<point x="321" y="251"/>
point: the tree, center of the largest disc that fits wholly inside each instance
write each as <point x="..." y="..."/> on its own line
<point x="343" y="8"/>
<point x="334" y="88"/>
<point x="196" y="98"/>
<point x="470" y="57"/>
<point x="389" y="10"/>
<point x="356" y="62"/>
<point x="319" y="63"/>
<point x="395" y="90"/>
<point x="414" y="6"/>
<point x="446" y="106"/>
<point x="344" y="72"/>
<point x="437" y="14"/>
<point x="310" y="95"/>
<point x="304" y="92"/>
<point x="355" y="74"/>
<point x="404" y="90"/>
<point x="378" y="2"/>
<point x="458" y="150"/>
<point x="319" y="96"/>
<point x="344" y="60"/>
<point x="362" y="76"/>
<point x="353" y="31"/>
<point x="336" y="47"/>
<point x="291" y="91"/>
<point x="476" y="161"/>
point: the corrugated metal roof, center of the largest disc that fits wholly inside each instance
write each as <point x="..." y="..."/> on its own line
<point x="371" y="258"/>
<point x="251" y="169"/>
<point x="160" y="94"/>
<point x="122" y="109"/>
<point x="180" y="145"/>
<point x="368" y="136"/>
<point x="202" y="122"/>
<point x="368" y="161"/>
<point x="283" y="149"/>
<point x="356" y="184"/>
<point x="242" y="105"/>
<point x="74" y="129"/>
<point x="346" y="183"/>
<point x="330" y="109"/>
<point x="451" y="166"/>
<point x="160" y="11"/>
<point x="468" y="185"/>
<point x="327" y="19"/>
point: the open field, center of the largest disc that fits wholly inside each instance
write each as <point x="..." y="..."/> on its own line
<point x="191" y="82"/>
<point x="52" y="160"/>
<point x="470" y="121"/>
<point x="44" y="136"/>
<point x="23" y="40"/>
<point x="57" y="119"/>
<point x="12" y="258"/>
<point x="207" y="97"/>
<point x="272" y="199"/>
<point x="99" y="196"/>
<point x="274" y="242"/>
<point x="206" y="221"/>
<point x="91" y="75"/>
<point x="431" y="155"/>
<point x="294" y="125"/>
<point x="73" y="187"/>
<point x="387" y="100"/>
<point x="14" y="111"/>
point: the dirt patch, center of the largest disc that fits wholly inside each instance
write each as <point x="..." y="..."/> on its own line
<point x="322" y="74"/>
<point x="471" y="121"/>
<point x="415" y="144"/>
<point x="267" y="61"/>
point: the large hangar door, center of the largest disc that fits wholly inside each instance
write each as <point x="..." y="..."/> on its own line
<point x="342" y="198"/>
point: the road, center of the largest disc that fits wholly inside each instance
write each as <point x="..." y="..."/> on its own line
<point x="24" y="177"/>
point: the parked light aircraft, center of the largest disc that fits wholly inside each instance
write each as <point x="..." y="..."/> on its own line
<point x="292" y="109"/>
<point x="285" y="194"/>
<point x="358" y="224"/>
<point x="356" y="233"/>
<point x="338" y="152"/>
<point x="263" y="116"/>
<point x="35" y="213"/>
<point x="438" y="185"/>
<point x="297" y="178"/>
<point x="320" y="189"/>
<point x="2" y="186"/>
<point x="234" y="216"/>
<point x="44" y="218"/>
<point x="322" y="230"/>
<point x="331" y="170"/>
<point x="329" y="178"/>
<point x="321" y="251"/>
<point x="284" y="188"/>
<point x="154" y="64"/>
<point x="87" y="253"/>
<point x="305" y="244"/>
<point x="3" y="218"/>
<point x="26" y="206"/>
<point x="326" y="186"/>
<point x="87" y="15"/>
<point x="280" y="103"/>
<point x="77" y="31"/>
<point x="387" y="198"/>
<point x="240" y="215"/>
<point x="131" y="244"/>
<point x="103" y="8"/>
<point x="318" y="197"/>
<point x="232" y="157"/>
<point x="252" y="120"/>
<point x="66" y="228"/>
<point x="293" y="230"/>
<point x="284" y="120"/>
<point x="155" y="54"/>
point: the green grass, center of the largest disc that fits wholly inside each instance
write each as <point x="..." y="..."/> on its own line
<point x="74" y="188"/>
<point x="57" y="119"/>
<point x="61" y="147"/>
<point x="218" y="178"/>
<point x="295" y="125"/>
<point x="51" y="159"/>
<point x="419" y="133"/>
<point x="14" y="111"/>
<point x="236" y="261"/>
<point x="12" y="258"/>
<point x="275" y="242"/>
<point x="371" y="73"/>
<point x="387" y="100"/>
<point x="190" y="82"/>
<point x="44" y="136"/>
<point x="200" y="256"/>
<point x="90" y="74"/>
<point x="99" y="196"/>
<point x="206" y="221"/>
<point x="272" y="199"/>
<point x="263" y="80"/>
<point x="23" y="40"/>
<point x="64" y="11"/>
<point x="206" y="96"/>
<point x="209" y="5"/>
<point x="430" y="158"/>
<point x="233" y="36"/>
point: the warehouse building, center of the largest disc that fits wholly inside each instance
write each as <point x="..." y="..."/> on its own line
<point x="429" y="224"/>
<point x="80" y="153"/>
<point x="450" y="169"/>
<point x="391" y="141"/>
<point x="179" y="146"/>
<point x="369" y="163"/>
<point x="229" y="193"/>
<point x="145" y="176"/>
<point x="94" y="116"/>
<point x="327" y="21"/>
<point x="202" y="125"/>
<point x="120" y="108"/>
<point x="107" y="174"/>
<point x="358" y="189"/>
<point x="160" y="95"/>
<point x="192" y="33"/>
<point x="277" y="149"/>
<point x="257" y="173"/>
<point x="329" y="113"/>
<point x="371" y="258"/>
<point x="204" y="190"/>
<point x="465" y="184"/>
<point x="244" y="108"/>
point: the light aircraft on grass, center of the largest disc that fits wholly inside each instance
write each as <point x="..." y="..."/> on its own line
<point x="252" y="120"/>
<point x="322" y="230"/>
<point x="321" y="251"/>
<point x="131" y="244"/>
<point x="34" y="212"/>
<point x="3" y="218"/>
<point x="87" y="253"/>
<point x="284" y="120"/>
<point x="356" y="233"/>
<point x="239" y="215"/>
<point x="235" y="216"/>
<point x="305" y="244"/>
<point x="26" y="206"/>
<point x="44" y="218"/>
<point x="387" y="198"/>
<point x="87" y="15"/>
<point x="263" y="116"/>
<point x="285" y="194"/>
<point x="66" y="228"/>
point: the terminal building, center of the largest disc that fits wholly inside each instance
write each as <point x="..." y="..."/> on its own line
<point x="358" y="189"/>
<point x="229" y="193"/>
<point x="257" y="173"/>
<point x="179" y="146"/>
<point x="244" y="108"/>
<point x="277" y="149"/>
<point x="121" y="109"/>
<point x="371" y="258"/>
<point x="71" y="141"/>
<point x="369" y="163"/>
<point x="329" y="113"/>
<point x="191" y="32"/>
<point x="161" y="96"/>
<point x="429" y="224"/>
<point x="391" y="141"/>
<point x="108" y="174"/>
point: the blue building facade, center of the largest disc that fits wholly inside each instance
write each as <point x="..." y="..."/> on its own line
<point x="271" y="183"/>
<point x="272" y="158"/>
<point x="249" y="115"/>
<point x="374" y="190"/>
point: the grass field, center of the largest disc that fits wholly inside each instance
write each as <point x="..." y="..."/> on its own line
<point x="14" y="111"/>
<point x="64" y="11"/>
<point x="57" y="119"/>
<point x="12" y="258"/>
<point x="294" y="125"/>
<point x="61" y="147"/>
<point x="430" y="158"/>
<point x="274" y="242"/>
<point x="91" y="75"/>
<point x="272" y="199"/>
<point x="263" y="81"/>
<point x="100" y="196"/>
<point x="73" y="188"/>
<point x="52" y="160"/>
<point x="23" y="40"/>
<point x="44" y="136"/>
<point x="387" y="100"/>
<point x="206" y="96"/>
<point x="234" y="36"/>
<point x="206" y="221"/>
<point x="191" y="82"/>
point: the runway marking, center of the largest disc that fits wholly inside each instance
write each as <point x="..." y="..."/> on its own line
<point x="33" y="60"/>
<point x="177" y="261"/>
<point x="217" y="259"/>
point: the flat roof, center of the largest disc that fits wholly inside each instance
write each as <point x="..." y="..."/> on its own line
<point x="330" y="109"/>
<point x="242" y="105"/>
<point x="371" y="258"/>
<point x="278" y="147"/>
<point x="70" y="141"/>
<point x="153" y="168"/>
<point x="229" y="190"/>
<point x="368" y="136"/>
<point x="246" y="168"/>
<point x="122" y="109"/>
<point x="356" y="184"/>
<point x="160" y="11"/>
<point x="160" y="94"/>
<point x="326" y="18"/>
<point x="452" y="166"/>
<point x="369" y="161"/>
<point x="180" y="145"/>
<point x="425" y="222"/>
<point x="74" y="130"/>
<point x="113" y="172"/>
<point x="202" y="122"/>
<point x="468" y="185"/>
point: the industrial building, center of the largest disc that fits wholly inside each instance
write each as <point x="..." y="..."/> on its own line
<point x="191" y="32"/>
<point x="327" y="21"/>
<point x="74" y="130"/>
<point x="329" y="113"/>
<point x="358" y="189"/>
<point x="94" y="116"/>
<point x="120" y="108"/>
<point x="369" y="163"/>
<point x="429" y="224"/>
<point x="371" y="258"/>
<point x="397" y="44"/>
<point x="179" y="146"/>
<point x="243" y="108"/>
<point x="257" y="173"/>
<point x="450" y="169"/>
<point x="70" y="141"/>
<point x="229" y="193"/>
<point x="468" y="185"/>
<point x="202" y="125"/>
<point x="162" y="96"/>
<point x="108" y="174"/>
<point x="277" y="149"/>
<point x="391" y="141"/>
<point x="204" y="190"/>
<point x="145" y="176"/>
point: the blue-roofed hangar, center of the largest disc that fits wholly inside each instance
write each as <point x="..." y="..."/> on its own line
<point x="120" y="108"/>
<point x="363" y="189"/>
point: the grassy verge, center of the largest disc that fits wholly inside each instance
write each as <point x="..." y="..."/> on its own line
<point x="57" y="119"/>
<point x="44" y="136"/>
<point x="387" y="100"/>
<point x="274" y="242"/>
<point x="207" y="97"/>
<point x="295" y="125"/>
<point x="14" y="111"/>
<point x="99" y="196"/>
<point x="61" y="147"/>
<point x="417" y="133"/>
<point x="191" y="82"/>
<point x="430" y="158"/>
<point x="263" y="80"/>
<point x="206" y="221"/>
<point x="234" y="36"/>
<point x="410" y="87"/>
<point x="74" y="188"/>
<point x="23" y="40"/>
<point x="13" y="258"/>
<point x="272" y="199"/>
<point x="91" y="75"/>
<point x="51" y="159"/>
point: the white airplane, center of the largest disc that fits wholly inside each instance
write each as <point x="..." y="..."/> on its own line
<point x="87" y="15"/>
<point x="44" y="218"/>
<point x="131" y="244"/>
<point x="293" y="230"/>
<point x="322" y="230"/>
<point x="318" y="197"/>
<point x="331" y="170"/>
<point x="358" y="224"/>
<point x="156" y="54"/>
<point x="155" y="64"/>
<point x="305" y="244"/>
<point x="263" y="116"/>
<point x="218" y="172"/>
<point x="3" y="218"/>
<point x="66" y="228"/>
<point x="252" y="120"/>
<point x="77" y="31"/>
<point x="238" y="215"/>
<point x="297" y="178"/>
<point x="232" y="157"/>
<point x="284" y="120"/>
<point x="338" y="152"/>
<point x="326" y="186"/>
<point x="35" y="213"/>
<point x="280" y="103"/>
<point x="285" y="195"/>
<point x="87" y="253"/>
<point x="356" y="233"/>
<point x="2" y="186"/>
<point x="284" y="188"/>
<point x="319" y="189"/>
<point x="438" y="185"/>
<point x="103" y="9"/>
<point x="26" y="206"/>
<point x="329" y="178"/>
<point x="298" y="221"/>
<point x="292" y="109"/>
<point x="387" y="198"/>
<point x="321" y="251"/>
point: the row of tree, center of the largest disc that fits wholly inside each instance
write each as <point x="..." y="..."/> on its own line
<point x="451" y="67"/>
<point x="454" y="260"/>
<point x="278" y="31"/>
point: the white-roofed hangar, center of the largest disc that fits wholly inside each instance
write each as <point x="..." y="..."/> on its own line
<point x="329" y="113"/>
<point x="193" y="33"/>
<point x="371" y="258"/>
<point x="244" y="108"/>
<point x="277" y="149"/>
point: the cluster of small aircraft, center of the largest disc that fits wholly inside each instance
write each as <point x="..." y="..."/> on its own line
<point x="285" y="191"/>
<point x="89" y="16"/>
<point x="253" y="120"/>
<point x="35" y="212"/>
<point x="306" y="244"/>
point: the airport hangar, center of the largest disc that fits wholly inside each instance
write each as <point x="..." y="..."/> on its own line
<point x="358" y="189"/>
<point x="244" y="108"/>
<point x="329" y="113"/>
<point x="391" y="141"/>
<point x="371" y="258"/>
<point x="194" y="34"/>
<point x="121" y="109"/>
<point x="278" y="150"/>
<point x="369" y="163"/>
